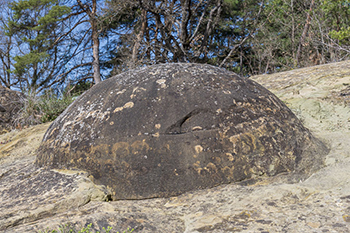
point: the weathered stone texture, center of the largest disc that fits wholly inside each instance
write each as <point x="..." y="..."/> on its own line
<point x="10" y="104"/>
<point x="171" y="128"/>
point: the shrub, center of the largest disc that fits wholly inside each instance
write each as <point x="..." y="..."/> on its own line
<point x="42" y="108"/>
<point x="30" y="113"/>
<point x="52" y="106"/>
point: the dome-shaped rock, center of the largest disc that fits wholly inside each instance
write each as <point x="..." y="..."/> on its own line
<point x="166" y="129"/>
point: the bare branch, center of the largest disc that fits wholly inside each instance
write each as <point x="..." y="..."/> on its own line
<point x="233" y="49"/>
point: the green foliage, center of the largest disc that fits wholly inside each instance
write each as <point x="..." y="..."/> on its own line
<point x="53" y="16"/>
<point x="68" y="228"/>
<point x="337" y="15"/>
<point x="24" y="6"/>
<point x="248" y="37"/>
<point x="52" y="106"/>
<point x="276" y="42"/>
<point x="341" y="35"/>
<point x="30" y="114"/>
<point x="28" y="19"/>
<point x="36" y="25"/>
<point x="79" y="88"/>
<point x="23" y="63"/>
<point x="44" y="108"/>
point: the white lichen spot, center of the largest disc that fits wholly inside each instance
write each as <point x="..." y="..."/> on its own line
<point x="118" y="109"/>
<point x="211" y="166"/>
<point x="229" y="156"/>
<point x="196" y="128"/>
<point x="127" y="105"/>
<point x="161" y="82"/>
<point x="121" y="92"/>
<point x="136" y="90"/>
<point x="107" y="113"/>
<point x="67" y="123"/>
<point x="154" y="73"/>
<point x="198" y="148"/>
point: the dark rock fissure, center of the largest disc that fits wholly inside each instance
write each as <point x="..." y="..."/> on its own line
<point x="176" y="128"/>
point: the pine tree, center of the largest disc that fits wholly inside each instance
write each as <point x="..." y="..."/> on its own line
<point x="37" y="26"/>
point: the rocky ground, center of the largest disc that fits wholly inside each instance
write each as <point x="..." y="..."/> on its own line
<point x="34" y="199"/>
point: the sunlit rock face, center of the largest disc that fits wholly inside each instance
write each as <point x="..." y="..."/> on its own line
<point x="166" y="129"/>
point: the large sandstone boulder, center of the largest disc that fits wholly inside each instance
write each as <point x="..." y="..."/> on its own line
<point x="10" y="104"/>
<point x="163" y="130"/>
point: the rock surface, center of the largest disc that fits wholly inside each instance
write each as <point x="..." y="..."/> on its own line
<point x="166" y="129"/>
<point x="10" y="104"/>
<point x="28" y="193"/>
<point x="320" y="203"/>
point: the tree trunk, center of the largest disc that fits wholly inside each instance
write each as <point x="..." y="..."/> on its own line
<point x="139" y="37"/>
<point x="95" y="51"/>
<point x="95" y="41"/>
<point x="303" y="36"/>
